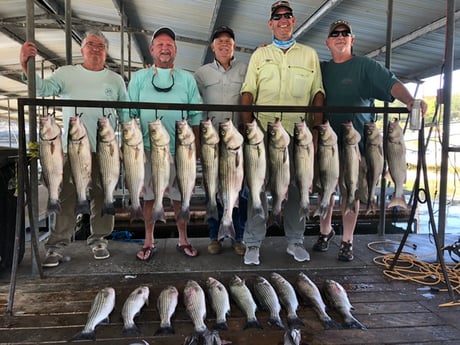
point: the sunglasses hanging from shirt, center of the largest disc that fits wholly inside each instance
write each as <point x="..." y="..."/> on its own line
<point x="163" y="89"/>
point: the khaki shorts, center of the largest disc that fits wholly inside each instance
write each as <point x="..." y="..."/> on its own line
<point x="172" y="192"/>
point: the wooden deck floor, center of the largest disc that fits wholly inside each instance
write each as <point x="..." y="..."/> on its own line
<point x="53" y="309"/>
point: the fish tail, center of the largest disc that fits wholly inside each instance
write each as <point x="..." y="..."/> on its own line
<point x="211" y="211"/>
<point x="258" y="211"/>
<point x="165" y="330"/>
<point x="354" y="324"/>
<point x="294" y="321"/>
<point x="397" y="202"/>
<point x="54" y="206"/>
<point x="253" y="324"/>
<point x="226" y="229"/>
<point x="84" y="336"/>
<point x="276" y="321"/>
<point x="158" y="215"/>
<point x="131" y="330"/>
<point x="136" y="214"/>
<point x="304" y="213"/>
<point x="108" y="208"/>
<point x="331" y="324"/>
<point x="221" y="326"/>
<point x="82" y="207"/>
<point x="184" y="214"/>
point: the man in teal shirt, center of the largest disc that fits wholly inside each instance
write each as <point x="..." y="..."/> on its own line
<point x="164" y="83"/>
<point x="89" y="81"/>
<point x="351" y="81"/>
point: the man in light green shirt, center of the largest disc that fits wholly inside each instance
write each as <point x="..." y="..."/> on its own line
<point x="281" y="73"/>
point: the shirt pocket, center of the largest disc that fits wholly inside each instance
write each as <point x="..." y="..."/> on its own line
<point x="301" y="81"/>
<point x="269" y="81"/>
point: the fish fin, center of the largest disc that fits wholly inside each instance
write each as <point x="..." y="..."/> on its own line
<point x="108" y="208"/>
<point x="158" y="215"/>
<point x="82" y="208"/>
<point x="54" y="207"/>
<point x="276" y="322"/>
<point x="294" y="321"/>
<point x="331" y="324"/>
<point x="354" y="324"/>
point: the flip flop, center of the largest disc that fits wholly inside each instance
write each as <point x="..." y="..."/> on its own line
<point x="182" y="249"/>
<point x="147" y="253"/>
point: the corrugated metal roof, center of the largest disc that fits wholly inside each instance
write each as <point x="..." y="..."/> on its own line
<point x="418" y="32"/>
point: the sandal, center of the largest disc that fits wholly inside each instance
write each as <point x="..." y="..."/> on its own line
<point x="186" y="249"/>
<point x="145" y="254"/>
<point x="345" y="251"/>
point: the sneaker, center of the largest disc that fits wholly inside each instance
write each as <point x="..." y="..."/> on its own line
<point x="239" y="248"/>
<point x="101" y="252"/>
<point x="298" y="252"/>
<point x="214" y="247"/>
<point x="52" y="259"/>
<point x="322" y="244"/>
<point x="345" y="251"/>
<point x="251" y="256"/>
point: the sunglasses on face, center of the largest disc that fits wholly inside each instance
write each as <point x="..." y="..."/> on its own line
<point x="278" y="16"/>
<point x="343" y="33"/>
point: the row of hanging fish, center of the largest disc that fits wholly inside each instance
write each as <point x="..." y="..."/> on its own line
<point x="228" y="159"/>
<point x="267" y="294"/>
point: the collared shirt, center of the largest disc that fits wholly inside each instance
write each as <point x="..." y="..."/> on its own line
<point x="275" y="77"/>
<point x="76" y="82"/>
<point x="220" y="86"/>
<point x="184" y="91"/>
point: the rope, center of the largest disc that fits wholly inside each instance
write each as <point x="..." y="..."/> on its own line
<point x="410" y="268"/>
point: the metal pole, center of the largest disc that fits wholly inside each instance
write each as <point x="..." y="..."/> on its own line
<point x="68" y="31"/>
<point x="381" y="229"/>
<point x="447" y="95"/>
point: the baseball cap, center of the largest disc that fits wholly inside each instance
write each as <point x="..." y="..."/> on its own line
<point x="278" y="5"/>
<point x="336" y="23"/>
<point x="164" y="30"/>
<point x="222" y="30"/>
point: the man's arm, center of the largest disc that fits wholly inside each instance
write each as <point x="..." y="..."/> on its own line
<point x="401" y="93"/>
<point x="246" y="99"/>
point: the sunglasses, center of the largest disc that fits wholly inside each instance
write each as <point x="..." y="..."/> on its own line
<point x="162" y="89"/>
<point x="278" y="16"/>
<point x="343" y="33"/>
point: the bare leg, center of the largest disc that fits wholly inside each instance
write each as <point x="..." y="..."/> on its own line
<point x="325" y="224"/>
<point x="182" y="229"/>
<point x="349" y="224"/>
<point x="146" y="252"/>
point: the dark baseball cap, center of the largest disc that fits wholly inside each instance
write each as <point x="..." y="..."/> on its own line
<point x="278" y="5"/>
<point x="336" y="23"/>
<point x="223" y="30"/>
<point x="164" y="30"/>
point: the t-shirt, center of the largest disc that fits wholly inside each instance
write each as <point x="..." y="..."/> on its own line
<point x="77" y="83"/>
<point x="275" y="77"/>
<point x="355" y="83"/>
<point x="184" y="91"/>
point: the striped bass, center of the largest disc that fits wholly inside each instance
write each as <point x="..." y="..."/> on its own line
<point x="108" y="155"/>
<point x="160" y="158"/>
<point x="209" y="139"/>
<point x="396" y="158"/>
<point x="231" y="174"/>
<point x="328" y="165"/>
<point x="255" y="165"/>
<point x="308" y="290"/>
<point x="268" y="300"/>
<point x="132" y="308"/>
<point x="292" y="337"/>
<point x="337" y="298"/>
<point x="374" y="162"/>
<point x="51" y="160"/>
<point x="278" y="165"/>
<point x="101" y="308"/>
<point x="287" y="297"/>
<point x="133" y="162"/>
<point x="185" y="160"/>
<point x="79" y="152"/>
<point x="304" y="160"/>
<point x="220" y="301"/>
<point x="195" y="305"/>
<point x="166" y="304"/>
<point x="351" y="158"/>
<point x="243" y="298"/>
